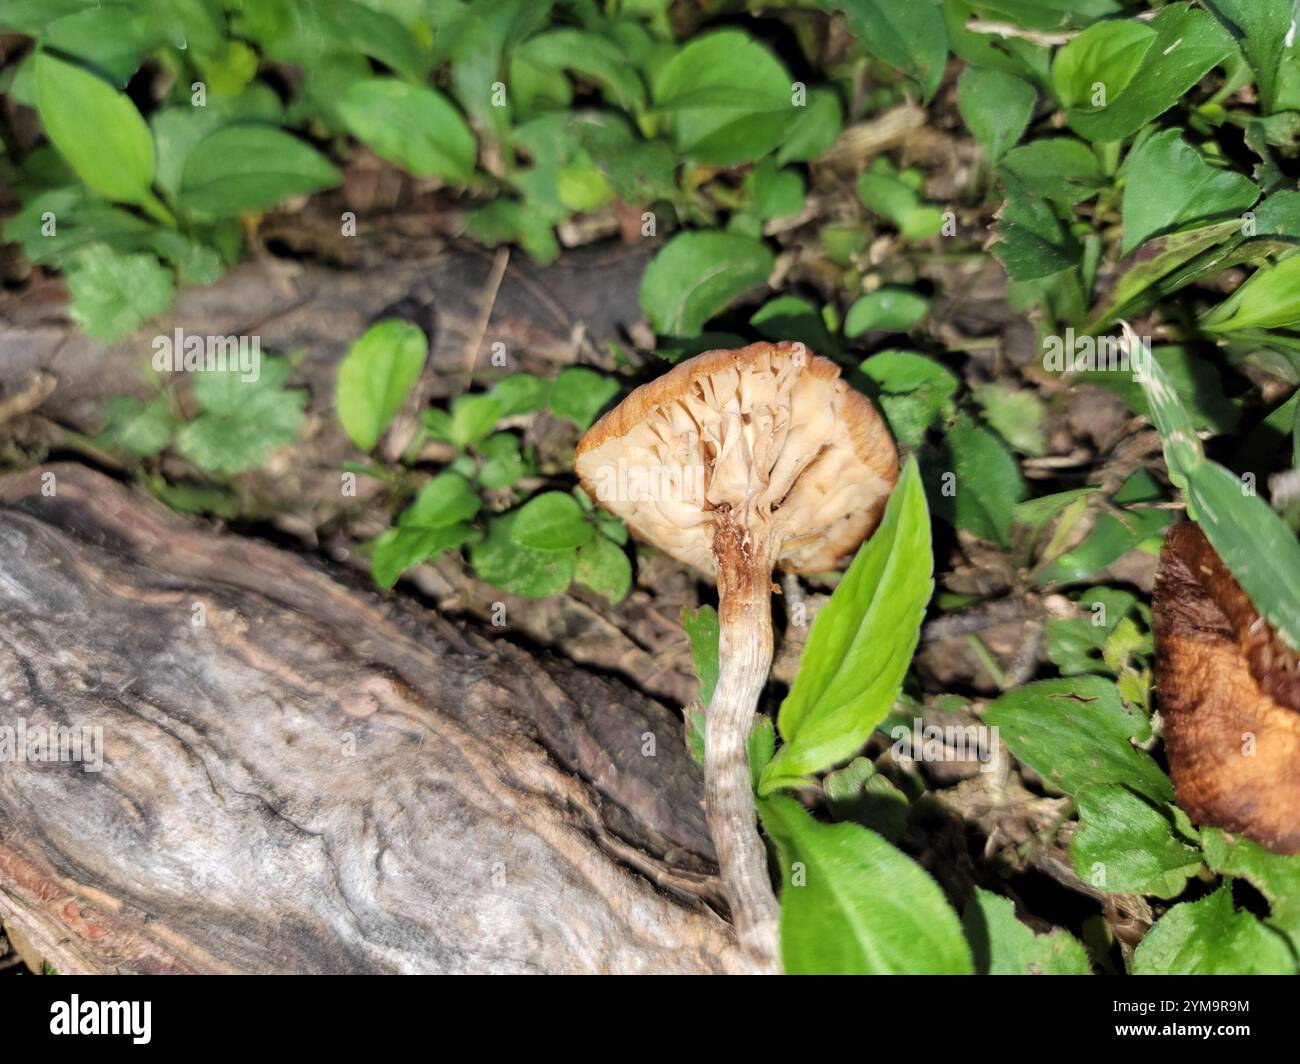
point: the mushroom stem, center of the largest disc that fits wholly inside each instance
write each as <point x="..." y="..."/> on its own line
<point x="744" y="657"/>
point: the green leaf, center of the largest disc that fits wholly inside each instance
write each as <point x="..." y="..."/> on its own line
<point x="860" y="644"/>
<point x="111" y="37"/>
<point x="859" y="793"/>
<point x="1188" y="44"/>
<point x="580" y="394"/>
<point x="111" y="293"/>
<point x="594" y="57"/>
<point x="503" y="562"/>
<point x="435" y="521"/>
<point x="1275" y="876"/>
<point x="1263" y="29"/>
<point x="851" y="904"/>
<point x="1002" y="945"/>
<point x="1211" y="937"/>
<point x="410" y="125"/>
<point x="245" y="168"/>
<point x="1034" y="245"/>
<point x="1270" y="299"/>
<point x="792" y="318"/>
<point x="1075" y="732"/>
<point x="1016" y="414"/>
<point x="1106" y="54"/>
<point x="1169" y="184"/>
<point x="551" y="521"/>
<point x="376" y="377"/>
<point x="1255" y="544"/>
<point x="891" y="308"/>
<point x="909" y="37"/>
<point x="141" y="429"/>
<point x="696" y="275"/>
<point x="701" y="628"/>
<point x="243" y="422"/>
<point x="97" y="129"/>
<point x="503" y="465"/>
<point x="1060" y="169"/>
<point x="1124" y="846"/>
<point x="727" y="99"/>
<point x="914" y="392"/>
<point x="519" y="393"/>
<point x="776" y="193"/>
<point x="1195" y="378"/>
<point x="996" y="107"/>
<point x="815" y="128"/>
<point x="603" y="566"/>
<point x="986" y="484"/>
<point x="472" y="418"/>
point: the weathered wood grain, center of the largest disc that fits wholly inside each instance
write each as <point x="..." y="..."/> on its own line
<point x="317" y="779"/>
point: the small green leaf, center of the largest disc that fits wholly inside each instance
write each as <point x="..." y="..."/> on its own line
<point x="504" y="562"/>
<point x="858" y="906"/>
<point x="987" y="483"/>
<point x="1002" y="945"/>
<point x="816" y="127"/>
<point x="472" y="418"/>
<point x="701" y="627"/>
<point x="1076" y="732"/>
<point x="860" y="644"/>
<point x="519" y="393"/>
<point x="413" y="126"/>
<point x="1016" y="414"/>
<point x="111" y="294"/>
<point x="243" y="422"/>
<point x="1212" y="937"/>
<point x="1103" y="58"/>
<point x="1060" y="169"/>
<point x="375" y="378"/>
<point x="580" y="394"/>
<point x="996" y="107"/>
<point x="1168" y="184"/>
<point x="603" y="566"/>
<point x="1270" y="299"/>
<point x="909" y="37"/>
<point x="1124" y="846"/>
<point x="97" y="129"/>
<point x="435" y="521"/>
<point x="245" y="168"/>
<point x="1275" y="876"/>
<point x="891" y="309"/>
<point x="551" y="521"/>
<point x="696" y="275"/>
<point x="141" y="429"/>
<point x="859" y="793"/>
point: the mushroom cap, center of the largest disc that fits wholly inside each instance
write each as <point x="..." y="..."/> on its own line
<point x="1223" y="675"/>
<point x="768" y="434"/>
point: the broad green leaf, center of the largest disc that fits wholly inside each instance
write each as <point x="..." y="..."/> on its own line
<point x="435" y="521"/>
<point x="1275" y="876"/>
<point x="580" y="394"/>
<point x="377" y="34"/>
<point x="1060" y="169"/>
<point x="1264" y="29"/>
<point x="141" y="429"/>
<point x="776" y="193"/>
<point x="1188" y="44"/>
<point x="473" y="417"/>
<point x="793" y="318"/>
<point x="503" y="465"/>
<point x="551" y="521"/>
<point x="1102" y="59"/>
<point x="728" y="100"/>
<point x="1002" y="945"/>
<point x="1016" y="414"/>
<point x="996" y="108"/>
<point x="519" y="393"/>
<point x="1270" y="299"/>
<point x="1211" y="937"/>
<point x="891" y="309"/>
<point x="1075" y="732"/>
<point x="245" y="168"/>
<point x="1255" y="543"/>
<point x="503" y="562"/>
<point x="110" y="36"/>
<point x="1124" y="846"/>
<point x="603" y="566"/>
<point x="1034" y="244"/>
<point x="1077" y="645"/>
<point x="701" y="628"/>
<point x="1169" y="184"/>
<point x="910" y="37"/>
<point x="696" y="275"/>
<point x="985" y="484"/>
<point x="97" y="129"/>
<point x="860" y="644"/>
<point x="111" y="294"/>
<point x="815" y="128"/>
<point x="912" y="390"/>
<point x="857" y="906"/>
<point x="597" y="58"/>
<point x="411" y="125"/>
<point x="243" y="422"/>
<point x="864" y="796"/>
<point x="375" y="378"/>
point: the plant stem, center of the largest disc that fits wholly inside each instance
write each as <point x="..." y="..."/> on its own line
<point x="744" y="571"/>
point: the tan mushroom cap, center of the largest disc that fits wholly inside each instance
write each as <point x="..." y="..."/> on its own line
<point x="768" y="433"/>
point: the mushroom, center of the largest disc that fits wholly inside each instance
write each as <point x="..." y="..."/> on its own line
<point x="738" y="462"/>
<point x="1229" y="692"/>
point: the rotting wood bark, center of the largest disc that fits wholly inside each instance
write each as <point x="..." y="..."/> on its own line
<point x="317" y="779"/>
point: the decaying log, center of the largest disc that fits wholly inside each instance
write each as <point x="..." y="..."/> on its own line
<point x="301" y="776"/>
